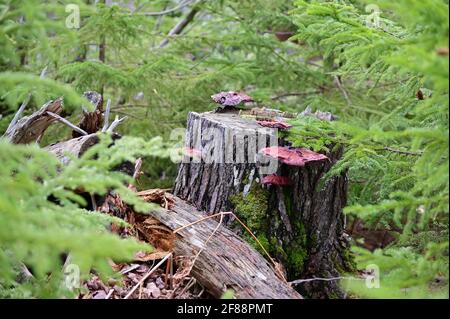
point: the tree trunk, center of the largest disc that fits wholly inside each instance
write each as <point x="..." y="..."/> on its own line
<point x="301" y="224"/>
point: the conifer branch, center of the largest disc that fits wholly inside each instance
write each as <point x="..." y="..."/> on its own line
<point x="284" y="95"/>
<point x="393" y="150"/>
<point x="342" y="89"/>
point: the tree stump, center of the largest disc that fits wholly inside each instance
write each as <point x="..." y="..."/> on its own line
<point x="300" y="224"/>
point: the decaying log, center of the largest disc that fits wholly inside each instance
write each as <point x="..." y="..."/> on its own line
<point x="226" y="261"/>
<point x="75" y="146"/>
<point x="29" y="128"/>
<point x="302" y="223"/>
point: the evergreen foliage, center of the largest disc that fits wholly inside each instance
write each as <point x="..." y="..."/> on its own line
<point x="386" y="79"/>
<point x="393" y="125"/>
<point x="41" y="218"/>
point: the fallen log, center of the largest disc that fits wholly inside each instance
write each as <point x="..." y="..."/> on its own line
<point x="234" y="163"/>
<point x="75" y="146"/>
<point x="225" y="261"/>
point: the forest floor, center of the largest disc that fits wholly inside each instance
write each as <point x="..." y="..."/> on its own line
<point x="155" y="275"/>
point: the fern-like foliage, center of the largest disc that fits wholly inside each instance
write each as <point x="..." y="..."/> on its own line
<point x="393" y="124"/>
<point x="41" y="220"/>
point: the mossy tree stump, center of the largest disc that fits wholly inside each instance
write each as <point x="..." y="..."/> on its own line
<point x="300" y="224"/>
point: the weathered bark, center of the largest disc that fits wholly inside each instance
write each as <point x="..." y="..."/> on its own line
<point x="29" y="128"/>
<point x="226" y="261"/>
<point x="228" y="146"/>
<point x="91" y="121"/>
<point x="302" y="224"/>
<point x="75" y="147"/>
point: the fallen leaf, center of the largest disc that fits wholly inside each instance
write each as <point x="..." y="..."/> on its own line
<point x="160" y="283"/>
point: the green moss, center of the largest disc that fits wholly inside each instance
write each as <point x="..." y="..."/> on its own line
<point x="297" y="251"/>
<point x="264" y="241"/>
<point x="347" y="264"/>
<point x="333" y="295"/>
<point x="262" y="238"/>
<point x="276" y="248"/>
<point x="252" y="208"/>
<point x="349" y="260"/>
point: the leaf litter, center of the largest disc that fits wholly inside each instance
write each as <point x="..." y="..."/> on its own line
<point x="162" y="283"/>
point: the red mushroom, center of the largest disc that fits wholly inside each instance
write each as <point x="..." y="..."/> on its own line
<point x="275" y="124"/>
<point x="293" y="156"/>
<point x="276" y="180"/>
<point x="192" y="152"/>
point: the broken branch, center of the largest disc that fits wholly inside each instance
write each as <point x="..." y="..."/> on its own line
<point x="116" y="122"/>
<point x="179" y="27"/>
<point x="164" y="12"/>
<point x="106" y="117"/>
<point x="66" y="122"/>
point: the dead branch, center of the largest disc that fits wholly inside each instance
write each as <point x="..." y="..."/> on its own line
<point x="224" y="261"/>
<point x="66" y="122"/>
<point x="23" y="105"/>
<point x="180" y="26"/>
<point x="106" y="116"/>
<point x="19" y="112"/>
<point x="29" y="128"/>
<point x="116" y="122"/>
<point x="91" y="121"/>
<point x="164" y="12"/>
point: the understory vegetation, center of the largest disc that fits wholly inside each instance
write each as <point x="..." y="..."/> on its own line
<point x="380" y="66"/>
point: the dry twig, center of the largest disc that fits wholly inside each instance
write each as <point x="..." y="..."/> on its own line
<point x="66" y="122"/>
